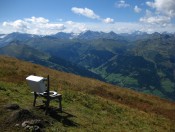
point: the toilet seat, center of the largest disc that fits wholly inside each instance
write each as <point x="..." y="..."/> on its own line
<point x="51" y="93"/>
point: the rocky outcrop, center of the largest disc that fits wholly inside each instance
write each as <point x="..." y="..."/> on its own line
<point x="24" y="118"/>
<point x="33" y="125"/>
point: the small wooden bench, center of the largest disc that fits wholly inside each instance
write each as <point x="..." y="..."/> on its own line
<point x="41" y="88"/>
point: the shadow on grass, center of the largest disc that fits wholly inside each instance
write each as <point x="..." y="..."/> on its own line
<point x="62" y="117"/>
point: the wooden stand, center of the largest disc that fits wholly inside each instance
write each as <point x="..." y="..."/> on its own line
<point x="48" y="97"/>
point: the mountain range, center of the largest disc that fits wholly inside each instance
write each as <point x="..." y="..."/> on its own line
<point x="140" y="61"/>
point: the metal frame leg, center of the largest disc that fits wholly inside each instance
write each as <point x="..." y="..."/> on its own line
<point x="47" y="106"/>
<point x="60" y="105"/>
<point x="35" y="96"/>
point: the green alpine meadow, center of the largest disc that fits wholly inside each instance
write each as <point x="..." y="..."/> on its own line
<point x="88" y="104"/>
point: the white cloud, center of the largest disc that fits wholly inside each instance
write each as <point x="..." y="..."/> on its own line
<point x="121" y="4"/>
<point x="162" y="20"/>
<point x="127" y="27"/>
<point x="137" y="9"/>
<point x="44" y="28"/>
<point x="54" y="26"/>
<point x="17" y="25"/>
<point x="70" y="22"/>
<point x="85" y="12"/>
<point x="37" y="20"/>
<point x="148" y="13"/>
<point x="74" y="27"/>
<point x="90" y="14"/>
<point x="150" y="4"/>
<point x="166" y="7"/>
<point x="108" y="20"/>
<point x="33" y="25"/>
<point x="164" y="12"/>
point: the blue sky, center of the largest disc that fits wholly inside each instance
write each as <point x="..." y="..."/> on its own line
<point x="52" y="16"/>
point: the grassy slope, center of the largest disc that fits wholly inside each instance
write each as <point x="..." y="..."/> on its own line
<point x="88" y="105"/>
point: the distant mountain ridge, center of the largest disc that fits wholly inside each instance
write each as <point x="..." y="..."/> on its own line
<point x="87" y="35"/>
<point x="7" y="38"/>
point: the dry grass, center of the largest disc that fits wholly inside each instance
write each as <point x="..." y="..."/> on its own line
<point x="16" y="71"/>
